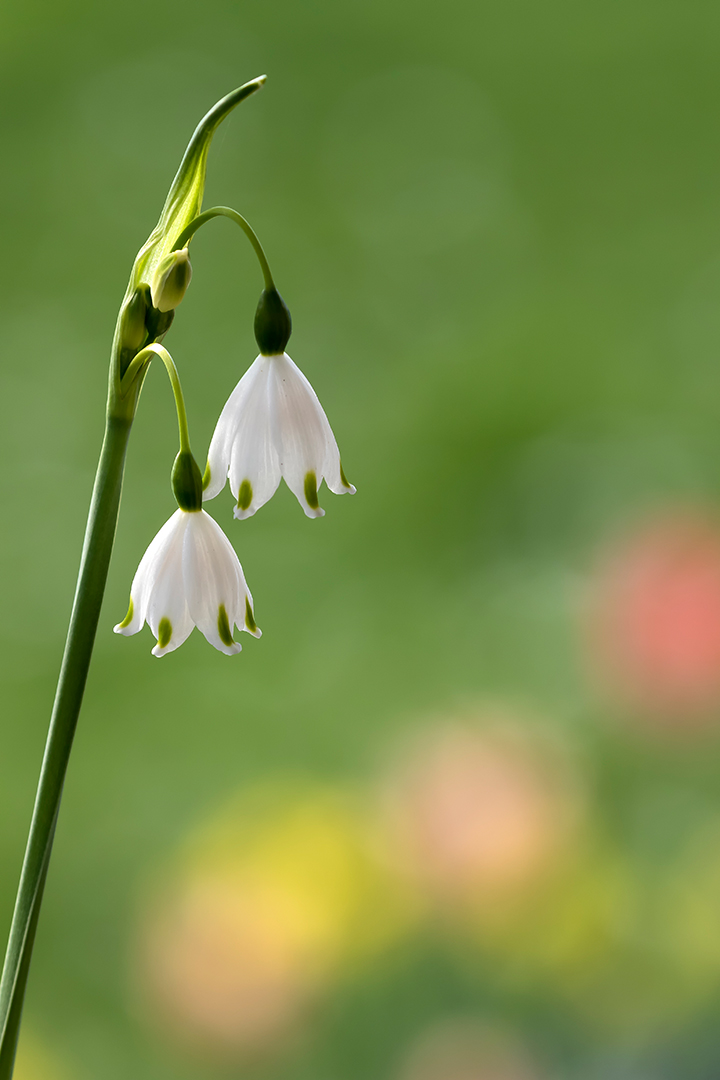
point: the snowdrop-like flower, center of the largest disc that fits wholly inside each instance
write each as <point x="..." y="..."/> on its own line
<point x="273" y="426"/>
<point x="190" y="576"/>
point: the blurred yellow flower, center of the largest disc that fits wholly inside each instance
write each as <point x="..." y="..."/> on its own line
<point x="34" y="1062"/>
<point x="275" y="897"/>
<point x="690" y="909"/>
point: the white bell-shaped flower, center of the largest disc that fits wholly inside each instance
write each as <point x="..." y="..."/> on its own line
<point x="273" y="426"/>
<point x="190" y="576"/>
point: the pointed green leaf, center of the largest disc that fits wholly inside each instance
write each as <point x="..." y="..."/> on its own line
<point x="184" y="201"/>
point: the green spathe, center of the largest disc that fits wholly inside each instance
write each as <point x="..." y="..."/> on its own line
<point x="184" y="201"/>
<point x="183" y="204"/>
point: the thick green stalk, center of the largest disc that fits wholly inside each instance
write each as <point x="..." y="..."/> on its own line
<point x="137" y="322"/>
<point x="97" y="549"/>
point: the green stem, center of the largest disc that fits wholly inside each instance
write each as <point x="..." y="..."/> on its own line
<point x="99" y="537"/>
<point x="137" y="365"/>
<point x="227" y="211"/>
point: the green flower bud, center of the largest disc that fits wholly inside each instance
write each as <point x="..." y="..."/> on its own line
<point x="133" y="325"/>
<point x="159" y="323"/>
<point x="273" y="325"/>
<point x="171" y="280"/>
<point x="186" y="482"/>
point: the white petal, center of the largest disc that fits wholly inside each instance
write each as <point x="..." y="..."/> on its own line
<point x="214" y="582"/>
<point x="299" y="432"/>
<point x="167" y="610"/>
<point x="332" y="469"/>
<point x="254" y="461"/>
<point x="225" y="432"/>
<point x="151" y="564"/>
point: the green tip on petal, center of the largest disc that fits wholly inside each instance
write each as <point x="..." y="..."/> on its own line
<point x="206" y="476"/>
<point x="311" y="491"/>
<point x="245" y="495"/>
<point x="344" y="478"/>
<point x="164" y="633"/>
<point x="224" y="627"/>
<point x="128" y="618"/>
<point x="250" y="623"/>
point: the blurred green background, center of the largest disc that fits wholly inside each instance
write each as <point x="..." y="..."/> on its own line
<point x="457" y="815"/>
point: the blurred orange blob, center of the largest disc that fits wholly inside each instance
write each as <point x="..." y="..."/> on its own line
<point x="224" y="963"/>
<point x="479" y="810"/>
<point x="463" y="1050"/>
<point x="272" y="898"/>
<point x="655" y="619"/>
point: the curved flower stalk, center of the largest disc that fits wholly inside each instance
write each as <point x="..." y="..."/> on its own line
<point x="190" y="576"/>
<point x="273" y="426"/>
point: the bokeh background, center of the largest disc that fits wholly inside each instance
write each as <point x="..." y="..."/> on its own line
<point x="457" y="815"/>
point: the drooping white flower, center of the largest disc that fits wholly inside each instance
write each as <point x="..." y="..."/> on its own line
<point x="190" y="576"/>
<point x="273" y="426"/>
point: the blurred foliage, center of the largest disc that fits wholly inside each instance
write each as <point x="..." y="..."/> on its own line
<point x="497" y="226"/>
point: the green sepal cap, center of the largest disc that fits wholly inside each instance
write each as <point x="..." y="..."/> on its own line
<point x="186" y="482"/>
<point x="273" y="324"/>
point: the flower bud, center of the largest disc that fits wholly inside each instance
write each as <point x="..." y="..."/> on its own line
<point x="171" y="280"/>
<point x="134" y="328"/>
<point x="273" y="325"/>
<point x="187" y="482"/>
<point x="158" y="323"/>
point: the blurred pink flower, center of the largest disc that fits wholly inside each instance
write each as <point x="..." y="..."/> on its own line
<point x="478" y="810"/>
<point x="655" y="618"/>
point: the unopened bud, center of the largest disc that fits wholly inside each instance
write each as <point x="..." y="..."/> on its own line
<point x="273" y="325"/>
<point x="134" y="328"/>
<point x="171" y="280"/>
